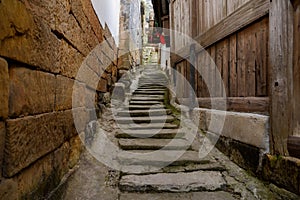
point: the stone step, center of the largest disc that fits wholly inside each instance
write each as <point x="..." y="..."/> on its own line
<point x="220" y="195"/>
<point x="145" y="107"/>
<point x="153" y="83"/>
<point x="141" y="98"/>
<point x="148" y="93"/>
<point x="145" y="102"/>
<point x="153" y="144"/>
<point x="151" y="89"/>
<point x="138" y="113"/>
<point x="173" y="182"/>
<point x="163" y="158"/>
<point x="153" y="133"/>
<point x="144" y="126"/>
<point x="150" y="169"/>
<point x="152" y="119"/>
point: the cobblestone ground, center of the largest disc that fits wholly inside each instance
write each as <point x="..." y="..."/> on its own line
<point x="148" y="124"/>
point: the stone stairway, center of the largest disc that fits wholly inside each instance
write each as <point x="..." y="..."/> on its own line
<point x="159" y="156"/>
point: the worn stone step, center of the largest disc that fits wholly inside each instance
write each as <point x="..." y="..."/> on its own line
<point x="150" y="169"/>
<point x="148" y="93"/>
<point x="220" y="195"/>
<point x="173" y="182"/>
<point x="163" y="158"/>
<point x="146" y="98"/>
<point x="151" y="89"/>
<point x="153" y="133"/>
<point x="153" y="144"/>
<point x="145" y="102"/>
<point x="145" y="107"/>
<point x="152" y="86"/>
<point x="144" y="126"/>
<point x="138" y="113"/>
<point x="152" y="119"/>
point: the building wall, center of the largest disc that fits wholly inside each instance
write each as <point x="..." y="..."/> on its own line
<point x="130" y="33"/>
<point x="42" y="45"/>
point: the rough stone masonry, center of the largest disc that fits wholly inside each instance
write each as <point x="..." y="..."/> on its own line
<point x="42" y="45"/>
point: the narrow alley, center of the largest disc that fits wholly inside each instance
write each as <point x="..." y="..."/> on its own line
<point x="149" y="99"/>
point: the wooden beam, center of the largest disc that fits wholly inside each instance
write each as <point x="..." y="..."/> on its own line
<point x="238" y="104"/>
<point x="281" y="59"/>
<point x="245" y="15"/>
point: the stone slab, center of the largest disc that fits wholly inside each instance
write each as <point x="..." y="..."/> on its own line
<point x="145" y="107"/>
<point x="29" y="138"/>
<point x="174" y="182"/>
<point x="149" y="126"/>
<point x="133" y="113"/>
<point x="149" y="98"/>
<point x="31" y="92"/>
<point x="145" y="102"/>
<point x="152" y="119"/>
<point x="149" y="93"/>
<point x="244" y="127"/>
<point x="63" y="93"/>
<point x="153" y="144"/>
<point x="4" y="88"/>
<point x="151" y="169"/>
<point x="153" y="133"/>
<point x="163" y="157"/>
<point x="178" y="196"/>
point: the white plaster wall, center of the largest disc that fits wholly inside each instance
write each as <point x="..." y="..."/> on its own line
<point x="108" y="12"/>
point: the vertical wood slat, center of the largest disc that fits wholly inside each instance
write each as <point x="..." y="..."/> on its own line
<point x="201" y="67"/>
<point x="225" y="70"/>
<point x="212" y="71"/>
<point x="241" y="69"/>
<point x="281" y="35"/>
<point x="233" y="87"/>
<point x="206" y="79"/>
<point x="262" y="58"/>
<point x="250" y="53"/>
<point x="219" y="68"/>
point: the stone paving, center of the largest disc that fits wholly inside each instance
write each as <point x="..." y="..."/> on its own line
<point x="160" y="159"/>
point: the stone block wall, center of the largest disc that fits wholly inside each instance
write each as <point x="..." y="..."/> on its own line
<point x="42" y="46"/>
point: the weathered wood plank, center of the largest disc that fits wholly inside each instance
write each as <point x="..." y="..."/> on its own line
<point x="225" y="73"/>
<point x="261" y="58"/>
<point x="241" y="64"/>
<point x="212" y="71"/>
<point x="243" y="16"/>
<point x="237" y="104"/>
<point x="233" y="5"/>
<point x="233" y="87"/>
<point x="219" y="68"/>
<point x="281" y="35"/>
<point x="188" y="78"/>
<point x="250" y="38"/>
<point x="206" y="78"/>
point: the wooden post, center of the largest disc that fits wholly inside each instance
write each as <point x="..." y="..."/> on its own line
<point x="281" y="59"/>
